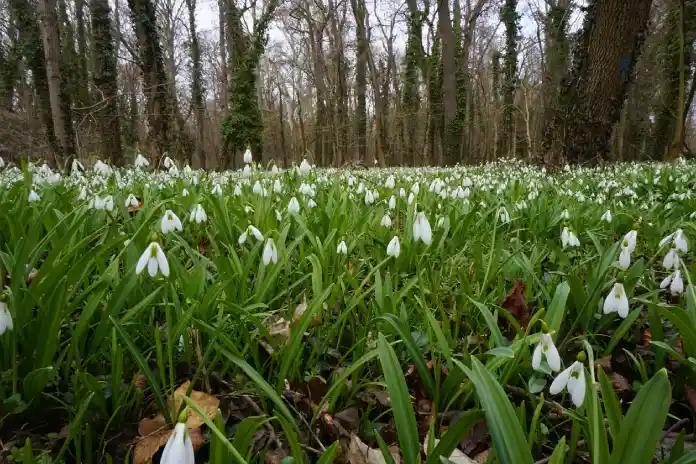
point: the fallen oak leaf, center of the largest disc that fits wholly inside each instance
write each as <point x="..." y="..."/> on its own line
<point x="208" y="404"/>
<point x="154" y="434"/>
<point x="360" y="453"/>
<point x="515" y="304"/>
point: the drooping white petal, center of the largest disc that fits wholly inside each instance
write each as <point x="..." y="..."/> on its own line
<point x="560" y="382"/>
<point x="671" y="260"/>
<point x="162" y="261"/>
<point x="666" y="281"/>
<point x="552" y="356"/>
<point x="677" y="286"/>
<point x="577" y="390"/>
<point x="268" y="252"/>
<point x="394" y="247"/>
<point x="536" y="357"/>
<point x="680" y="241"/>
<point x="242" y="238"/>
<point x="624" y="258"/>
<point x="152" y="266"/>
<point x="142" y="262"/>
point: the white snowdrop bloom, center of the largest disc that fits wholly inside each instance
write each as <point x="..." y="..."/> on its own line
<point x="390" y="183"/>
<point x="671" y="260"/>
<point x="386" y="221"/>
<point x="179" y="448"/>
<point x="279" y="217"/>
<point x="415" y="188"/>
<point x="677" y="239"/>
<point x="629" y="241"/>
<point x="504" y="215"/>
<point x="675" y="283"/>
<point x="616" y="301"/>
<point x="131" y="201"/>
<point x="392" y="202"/>
<point x="565" y="214"/>
<point x="173" y="170"/>
<point x="33" y="196"/>
<point x="293" y="206"/>
<point x="274" y="169"/>
<point x="305" y="167"/>
<point x="547" y="349"/>
<point x="466" y="182"/>
<point x="463" y="193"/>
<point x="440" y="222"/>
<point x="311" y="203"/>
<point x="141" y="161"/>
<point x="5" y="318"/>
<point x="606" y="217"/>
<point x="250" y="230"/>
<point x="170" y="222"/>
<point x="168" y="162"/>
<point x="411" y="197"/>
<point x="360" y="189"/>
<point x="237" y="190"/>
<point x="572" y="379"/>
<point x="198" y="214"/>
<point x="246" y="172"/>
<point x="443" y="194"/>
<point x="394" y="247"/>
<point x="402" y="192"/>
<point x="369" y="197"/>
<point x="342" y="248"/>
<point x="107" y="203"/>
<point x="436" y="185"/>
<point x="217" y="190"/>
<point x="77" y="167"/>
<point x="102" y="168"/>
<point x="154" y="258"/>
<point x="351" y="181"/>
<point x="185" y="193"/>
<point x="2" y="162"/>
<point x="568" y="238"/>
<point x="270" y="252"/>
<point x="277" y="186"/>
<point x="257" y="189"/>
<point x="247" y="156"/>
<point x="422" y="230"/>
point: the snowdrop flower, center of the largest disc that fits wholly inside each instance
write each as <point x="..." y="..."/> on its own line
<point x="504" y="215"/>
<point x="198" y="214"/>
<point x="2" y="162"/>
<point x="102" y="168"/>
<point x="568" y="238"/>
<point x="107" y="203"/>
<point x="270" y="252"/>
<point x="369" y="197"/>
<point x="237" y="190"/>
<point x="573" y="379"/>
<point x="305" y="167"/>
<point x="616" y="301"/>
<point x="386" y="221"/>
<point x="421" y="229"/>
<point x="411" y="197"/>
<point x="131" y="201"/>
<point x="394" y="247"/>
<point x="277" y="186"/>
<point x="392" y="202"/>
<point x="342" y="248"/>
<point x="168" y="162"/>
<point x="361" y="188"/>
<point x="170" y="222"/>
<point x="311" y="203"/>
<point x="677" y="239"/>
<point x="247" y="156"/>
<point x="77" y="167"/>
<point x="466" y="182"/>
<point x="675" y="283"/>
<point x="390" y="182"/>
<point x="179" y="449"/>
<point x="257" y="188"/>
<point x="628" y="244"/>
<point x="253" y="231"/>
<point x="415" y="188"/>
<point x="565" y="214"/>
<point x="293" y="206"/>
<point x="5" y="318"/>
<point x="671" y="260"/>
<point x="141" y="161"/>
<point x="154" y="258"/>
<point x="33" y="196"/>
<point x="402" y="192"/>
<point x="279" y="217"/>
<point x="547" y="349"/>
<point x="217" y="190"/>
<point x="246" y="172"/>
<point x="274" y="169"/>
<point x="185" y="193"/>
<point x="606" y="217"/>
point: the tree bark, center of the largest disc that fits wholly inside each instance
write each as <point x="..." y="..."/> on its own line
<point x="593" y="95"/>
<point x="197" y="88"/>
<point x="105" y="80"/>
<point x="361" y="81"/>
<point x="449" y="83"/>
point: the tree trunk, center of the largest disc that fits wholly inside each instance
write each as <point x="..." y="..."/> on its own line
<point x="155" y="85"/>
<point x="594" y="94"/>
<point x="449" y="83"/>
<point x="105" y="79"/>
<point x="197" y="87"/>
<point x="510" y="18"/>
<point x="411" y="96"/>
<point x="361" y="81"/>
<point x="60" y="103"/>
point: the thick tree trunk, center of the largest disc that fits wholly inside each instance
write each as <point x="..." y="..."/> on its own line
<point x="197" y="87"/>
<point x="510" y="19"/>
<point x="449" y="83"/>
<point x="361" y="82"/>
<point x="60" y="103"/>
<point x="411" y="97"/>
<point x="593" y="96"/>
<point x="105" y="79"/>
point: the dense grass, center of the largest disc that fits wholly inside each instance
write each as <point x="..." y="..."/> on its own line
<point x="415" y="347"/>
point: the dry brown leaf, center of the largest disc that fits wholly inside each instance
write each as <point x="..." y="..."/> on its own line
<point x="155" y="435"/>
<point x="208" y="403"/>
<point x="604" y="363"/>
<point x="350" y="417"/>
<point x="274" y="457"/>
<point x="133" y="209"/>
<point x="381" y="396"/>
<point x="515" y="305"/>
<point x="300" y="310"/>
<point x="360" y="453"/>
<point x="457" y="457"/>
<point x="620" y="383"/>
